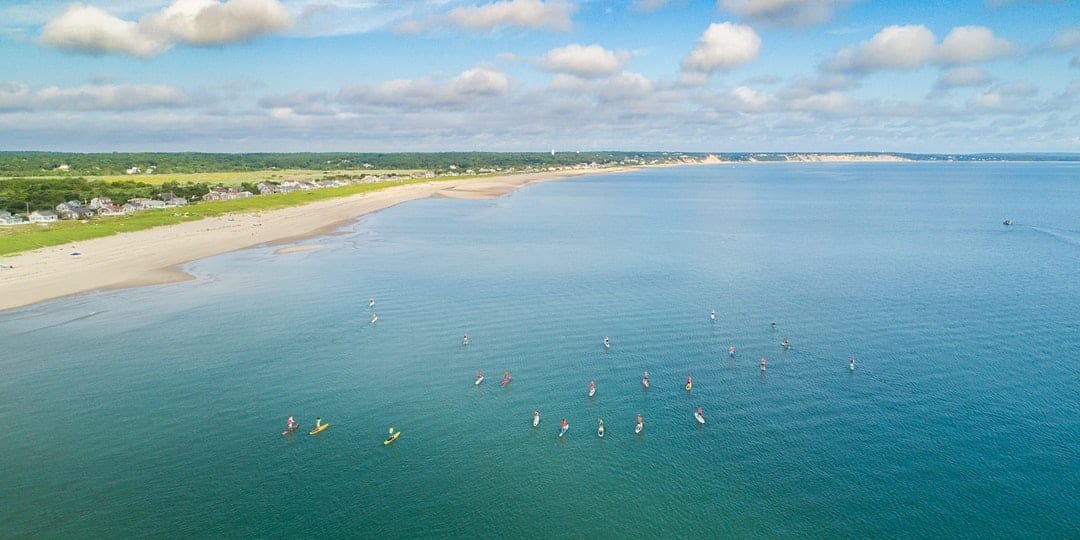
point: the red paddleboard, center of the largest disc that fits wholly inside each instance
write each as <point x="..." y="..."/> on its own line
<point x="506" y="380"/>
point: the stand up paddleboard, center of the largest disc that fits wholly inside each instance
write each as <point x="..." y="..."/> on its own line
<point x="700" y="419"/>
<point x="536" y="420"/>
<point x="292" y="429"/>
<point x="638" y="428"/>
<point x="600" y="430"/>
<point x="479" y="380"/>
<point x="392" y="438"/>
<point x="564" y="430"/>
<point x="689" y="386"/>
<point x="318" y="429"/>
<point x="592" y="391"/>
<point x="506" y="381"/>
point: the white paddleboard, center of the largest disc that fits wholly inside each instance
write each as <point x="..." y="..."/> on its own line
<point x="700" y="419"/>
<point x="536" y="420"/>
<point x="479" y="380"/>
<point x="639" y="428"/>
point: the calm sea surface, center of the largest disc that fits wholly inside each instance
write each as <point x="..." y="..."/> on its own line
<point x="158" y="412"/>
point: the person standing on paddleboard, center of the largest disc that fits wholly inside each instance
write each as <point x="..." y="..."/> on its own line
<point x="291" y="424"/>
<point x="318" y="422"/>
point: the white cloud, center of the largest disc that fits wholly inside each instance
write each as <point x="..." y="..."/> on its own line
<point x="209" y="22"/>
<point x="829" y="103"/>
<point x="13" y="95"/>
<point x="111" y="97"/>
<point x="788" y="12"/>
<point x="468" y="87"/>
<point x="722" y="47"/>
<point x="90" y="30"/>
<point x="1067" y="39"/>
<point x="589" y="61"/>
<point x="480" y="81"/>
<point x="748" y="99"/>
<point x="894" y="47"/>
<point x="625" y="86"/>
<point x="968" y="44"/>
<point x="962" y="76"/>
<point x="515" y="13"/>
<point x="93" y="97"/>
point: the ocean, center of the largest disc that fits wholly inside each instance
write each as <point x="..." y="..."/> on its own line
<point x="158" y="411"/>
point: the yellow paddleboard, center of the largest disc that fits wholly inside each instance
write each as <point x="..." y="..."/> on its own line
<point x="318" y="429"/>
<point x="392" y="437"/>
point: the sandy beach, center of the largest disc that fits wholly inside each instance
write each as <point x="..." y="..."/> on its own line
<point x="154" y="256"/>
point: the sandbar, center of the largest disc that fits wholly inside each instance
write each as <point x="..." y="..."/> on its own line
<point x="154" y="256"/>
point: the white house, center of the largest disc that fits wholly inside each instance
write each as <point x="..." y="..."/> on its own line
<point x="43" y="216"/>
<point x="98" y="202"/>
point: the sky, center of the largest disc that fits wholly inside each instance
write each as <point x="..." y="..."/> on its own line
<point x="943" y="76"/>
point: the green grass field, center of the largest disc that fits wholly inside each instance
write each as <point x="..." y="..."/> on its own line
<point x="19" y="238"/>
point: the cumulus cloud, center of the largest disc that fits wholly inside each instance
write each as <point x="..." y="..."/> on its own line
<point x="961" y="77"/>
<point x="912" y="46"/>
<point x="968" y="44"/>
<point x="722" y="47"/>
<point x="90" y="30"/>
<point x="93" y="97"/>
<point x="209" y="22"/>
<point x="480" y="81"/>
<point x="787" y="12"/>
<point x="1067" y="40"/>
<point x="515" y="13"/>
<point x="894" y="47"/>
<point x="748" y="99"/>
<point x="87" y="29"/>
<point x="467" y="87"/>
<point x="588" y="61"/>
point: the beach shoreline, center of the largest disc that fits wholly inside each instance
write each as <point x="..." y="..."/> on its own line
<point x="156" y="256"/>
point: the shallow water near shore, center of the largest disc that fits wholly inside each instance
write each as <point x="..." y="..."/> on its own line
<point x="157" y="412"/>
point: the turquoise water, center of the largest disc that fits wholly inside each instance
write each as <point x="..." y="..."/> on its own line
<point x="157" y="412"/>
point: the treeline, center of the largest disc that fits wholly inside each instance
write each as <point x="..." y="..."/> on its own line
<point x="17" y="194"/>
<point x="74" y="164"/>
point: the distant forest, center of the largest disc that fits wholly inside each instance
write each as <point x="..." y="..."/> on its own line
<point x="70" y="164"/>
<point x="14" y="164"/>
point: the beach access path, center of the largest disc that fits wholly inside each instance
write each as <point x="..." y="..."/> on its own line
<point x="154" y="256"/>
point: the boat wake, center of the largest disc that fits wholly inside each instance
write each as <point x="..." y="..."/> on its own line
<point x="62" y="323"/>
<point x="1071" y="238"/>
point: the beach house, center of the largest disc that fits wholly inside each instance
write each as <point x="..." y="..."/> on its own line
<point x="43" y="216"/>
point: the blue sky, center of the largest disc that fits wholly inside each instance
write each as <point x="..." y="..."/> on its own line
<point x="949" y="76"/>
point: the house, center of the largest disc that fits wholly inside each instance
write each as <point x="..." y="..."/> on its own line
<point x="98" y="202"/>
<point x="216" y="194"/>
<point x="266" y="188"/>
<point x="133" y="170"/>
<point x="175" y="201"/>
<point x="43" y="216"/>
<point x="111" y="210"/>
<point x="73" y="210"/>
<point x="7" y="218"/>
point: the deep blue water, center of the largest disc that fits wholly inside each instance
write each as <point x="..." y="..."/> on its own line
<point x="157" y="412"/>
